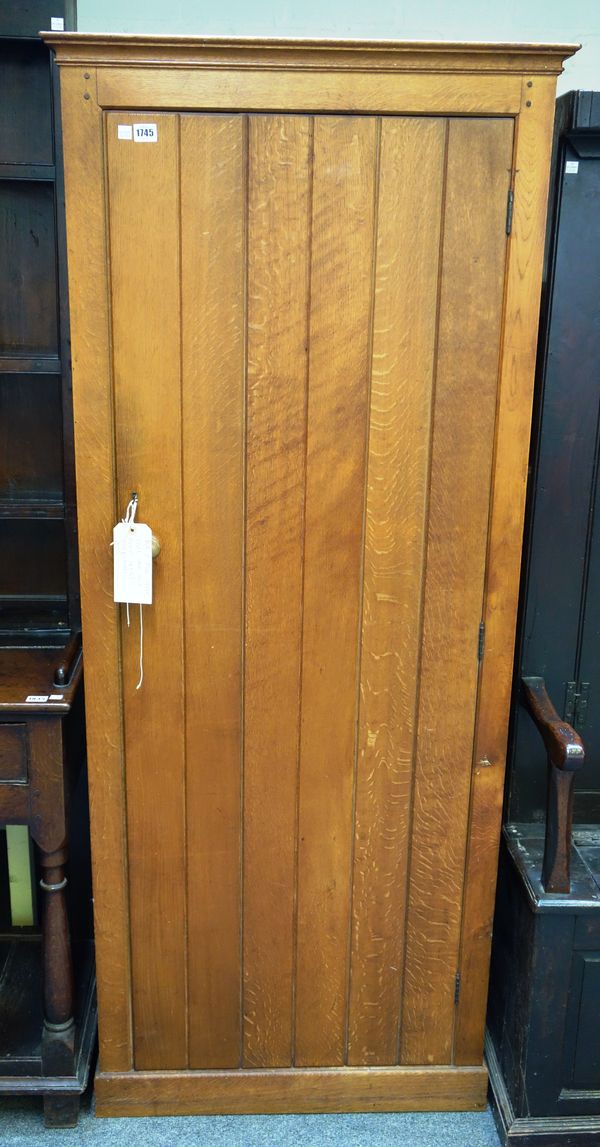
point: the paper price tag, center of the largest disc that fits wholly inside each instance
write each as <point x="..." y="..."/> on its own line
<point x="132" y="548"/>
<point x="571" y="167"/>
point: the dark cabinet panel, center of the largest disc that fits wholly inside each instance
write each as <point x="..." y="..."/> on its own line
<point x="31" y="460"/>
<point x="25" y="133"/>
<point x="583" y="1045"/>
<point x="37" y="565"/>
<point x="560" y="626"/>
<point x="39" y="596"/>
<point x="28" y="319"/>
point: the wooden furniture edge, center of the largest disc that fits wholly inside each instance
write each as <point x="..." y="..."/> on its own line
<point x="533" y="142"/>
<point x="116" y="1034"/>
<point x="93" y="418"/>
<point x="300" y="1090"/>
<point x="418" y="55"/>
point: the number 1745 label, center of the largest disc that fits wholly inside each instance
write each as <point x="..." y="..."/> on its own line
<point x="145" y="133"/>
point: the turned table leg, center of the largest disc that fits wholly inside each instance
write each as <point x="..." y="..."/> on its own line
<point x="57" y="962"/>
<point x="58" y="1038"/>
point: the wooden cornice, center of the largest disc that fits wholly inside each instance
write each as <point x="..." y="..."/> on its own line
<point x="94" y="50"/>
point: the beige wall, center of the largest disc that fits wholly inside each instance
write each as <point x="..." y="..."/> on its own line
<point x="567" y="21"/>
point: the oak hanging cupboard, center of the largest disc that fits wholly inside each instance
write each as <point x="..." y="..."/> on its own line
<point x="304" y="284"/>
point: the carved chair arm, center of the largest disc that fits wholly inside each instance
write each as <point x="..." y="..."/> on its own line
<point x="563" y="745"/>
<point x="566" y="755"/>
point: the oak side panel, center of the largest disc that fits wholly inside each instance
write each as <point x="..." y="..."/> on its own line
<point x="525" y="256"/>
<point x="410" y="202"/>
<point x="343" y="222"/>
<point x="257" y="1092"/>
<point x="279" y="178"/>
<point x="290" y="89"/>
<point x="474" y="247"/>
<point x="83" y="144"/>
<point x="144" y="253"/>
<point x="212" y="300"/>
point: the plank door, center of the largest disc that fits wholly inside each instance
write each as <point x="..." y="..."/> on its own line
<point x="306" y="318"/>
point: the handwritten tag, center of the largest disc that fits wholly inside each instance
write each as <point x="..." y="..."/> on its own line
<point x="132" y="549"/>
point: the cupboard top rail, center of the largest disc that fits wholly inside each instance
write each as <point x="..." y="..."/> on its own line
<point x="310" y="55"/>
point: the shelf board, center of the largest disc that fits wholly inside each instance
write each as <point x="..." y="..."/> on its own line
<point x="29" y="364"/>
<point x="40" y="172"/>
<point x="32" y="508"/>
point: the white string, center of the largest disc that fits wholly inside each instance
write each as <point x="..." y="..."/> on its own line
<point x="138" y="686"/>
<point x="130" y="512"/>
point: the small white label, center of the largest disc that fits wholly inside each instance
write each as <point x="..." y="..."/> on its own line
<point x="124" y="131"/>
<point x="56" y="697"/>
<point x="35" y="700"/>
<point x="571" y="167"/>
<point x="132" y="546"/>
<point x="57" y="24"/>
<point x="145" y="133"/>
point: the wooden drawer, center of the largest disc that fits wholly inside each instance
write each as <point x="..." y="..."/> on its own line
<point x="13" y="753"/>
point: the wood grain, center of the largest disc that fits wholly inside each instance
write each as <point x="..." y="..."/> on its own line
<point x="212" y="296"/>
<point x="313" y="55"/>
<point x="292" y="89"/>
<point x="342" y="223"/>
<point x="144" y="236"/>
<point x="410" y="202"/>
<point x="92" y="401"/>
<point x="278" y="264"/>
<point x="343" y="218"/>
<point x="479" y="160"/>
<point x="521" y="310"/>
<point x="249" y="1092"/>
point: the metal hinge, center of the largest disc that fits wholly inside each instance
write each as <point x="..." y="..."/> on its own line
<point x="457" y="979"/>
<point x="509" y="210"/>
<point x="481" y="642"/>
<point x="576" y="704"/>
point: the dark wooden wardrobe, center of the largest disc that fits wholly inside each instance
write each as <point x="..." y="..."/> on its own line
<point x="544" y="1048"/>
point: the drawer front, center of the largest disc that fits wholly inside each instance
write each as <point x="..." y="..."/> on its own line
<point x="13" y="753"/>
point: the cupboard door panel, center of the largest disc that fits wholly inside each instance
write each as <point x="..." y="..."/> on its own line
<point x="305" y="402"/>
<point x="212" y="299"/>
<point x="471" y="293"/>
<point x="145" y="276"/>
<point x="279" y="183"/>
<point x="402" y="376"/>
<point x="343" y="218"/>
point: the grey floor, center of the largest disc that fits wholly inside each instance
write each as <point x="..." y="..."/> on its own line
<point x="21" y="1126"/>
